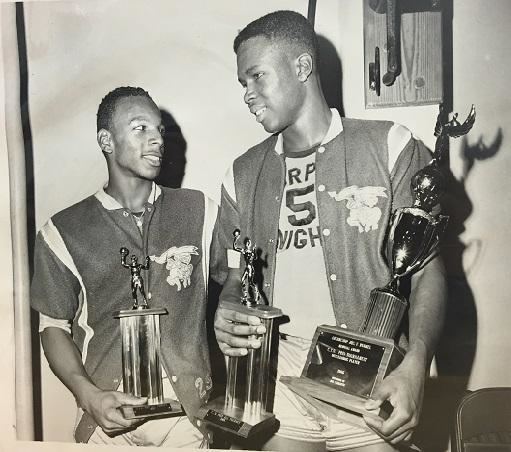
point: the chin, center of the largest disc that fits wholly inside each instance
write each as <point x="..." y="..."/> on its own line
<point x="151" y="175"/>
<point x="271" y="128"/>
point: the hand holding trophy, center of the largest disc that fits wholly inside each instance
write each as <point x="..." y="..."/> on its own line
<point x="140" y="335"/>
<point x="343" y="366"/>
<point x="242" y="411"/>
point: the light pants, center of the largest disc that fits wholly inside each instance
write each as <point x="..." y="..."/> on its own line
<point x="299" y="420"/>
<point x="166" y="432"/>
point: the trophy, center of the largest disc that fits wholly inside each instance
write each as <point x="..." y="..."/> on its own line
<point x="242" y="411"/>
<point x="140" y="336"/>
<point x="343" y="366"/>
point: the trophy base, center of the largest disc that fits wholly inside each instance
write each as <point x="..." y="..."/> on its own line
<point x="234" y="420"/>
<point x="170" y="408"/>
<point x="353" y="404"/>
<point x="342" y="369"/>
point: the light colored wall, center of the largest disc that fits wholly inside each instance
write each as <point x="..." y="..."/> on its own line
<point x="482" y="59"/>
<point x="181" y="52"/>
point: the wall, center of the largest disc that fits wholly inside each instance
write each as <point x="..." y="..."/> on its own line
<point x="482" y="58"/>
<point x="181" y="52"/>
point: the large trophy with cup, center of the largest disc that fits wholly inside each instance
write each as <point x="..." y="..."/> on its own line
<point x="140" y="336"/>
<point x="343" y="366"/>
<point x="242" y="411"/>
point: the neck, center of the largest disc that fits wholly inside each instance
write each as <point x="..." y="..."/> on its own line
<point x="311" y="126"/>
<point x="131" y="194"/>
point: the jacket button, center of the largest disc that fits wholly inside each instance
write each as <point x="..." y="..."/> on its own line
<point x="125" y="214"/>
<point x="326" y="232"/>
<point x="174" y="378"/>
<point x="343" y="325"/>
<point x="267" y="284"/>
<point x="333" y="277"/>
<point x="321" y="149"/>
<point x="199" y="423"/>
<point x="321" y="187"/>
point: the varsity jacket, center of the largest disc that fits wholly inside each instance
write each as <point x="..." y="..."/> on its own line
<point x="79" y="277"/>
<point x="363" y="173"/>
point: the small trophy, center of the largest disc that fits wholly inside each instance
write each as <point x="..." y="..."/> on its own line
<point x="140" y="335"/>
<point x="343" y="366"/>
<point x="242" y="411"/>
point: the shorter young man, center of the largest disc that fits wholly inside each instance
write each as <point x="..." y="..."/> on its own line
<point x="79" y="281"/>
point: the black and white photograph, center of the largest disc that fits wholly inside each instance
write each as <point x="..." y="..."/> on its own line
<point x="255" y="225"/>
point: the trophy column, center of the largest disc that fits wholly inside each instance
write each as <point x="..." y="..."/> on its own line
<point x="141" y="368"/>
<point x="242" y="411"/>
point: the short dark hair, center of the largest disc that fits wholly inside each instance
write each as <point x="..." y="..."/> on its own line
<point x="107" y="106"/>
<point x="288" y="26"/>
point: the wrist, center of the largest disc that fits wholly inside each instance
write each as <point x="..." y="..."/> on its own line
<point x="85" y="393"/>
<point x="415" y="362"/>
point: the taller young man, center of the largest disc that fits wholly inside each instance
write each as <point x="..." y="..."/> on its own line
<point x="79" y="281"/>
<point x="316" y="197"/>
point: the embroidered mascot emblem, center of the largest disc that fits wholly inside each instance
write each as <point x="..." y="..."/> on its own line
<point x="361" y="202"/>
<point x="177" y="260"/>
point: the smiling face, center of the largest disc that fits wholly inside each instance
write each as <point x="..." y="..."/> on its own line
<point x="269" y="73"/>
<point x="135" y="140"/>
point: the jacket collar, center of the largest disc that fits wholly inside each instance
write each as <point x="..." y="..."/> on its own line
<point x="110" y="203"/>
<point x="334" y="129"/>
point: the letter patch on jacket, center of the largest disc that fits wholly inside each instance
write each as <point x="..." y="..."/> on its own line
<point x="177" y="260"/>
<point x="361" y="202"/>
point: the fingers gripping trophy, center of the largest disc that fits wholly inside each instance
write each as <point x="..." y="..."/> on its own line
<point x="140" y="336"/>
<point x="242" y="411"/>
<point x="343" y="367"/>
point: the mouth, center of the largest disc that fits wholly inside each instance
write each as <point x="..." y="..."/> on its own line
<point x="153" y="160"/>
<point x="258" y="113"/>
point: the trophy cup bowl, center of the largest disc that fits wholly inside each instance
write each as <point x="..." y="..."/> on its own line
<point x="242" y="411"/>
<point x="413" y="235"/>
<point x="343" y="366"/>
<point x="140" y="343"/>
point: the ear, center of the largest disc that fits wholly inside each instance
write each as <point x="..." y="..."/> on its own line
<point x="304" y="64"/>
<point x="105" y="141"/>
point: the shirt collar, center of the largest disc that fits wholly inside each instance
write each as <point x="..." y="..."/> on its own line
<point x="110" y="203"/>
<point x="334" y="129"/>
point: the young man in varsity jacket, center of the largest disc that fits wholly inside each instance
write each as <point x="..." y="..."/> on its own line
<point x="79" y="281"/>
<point x="316" y="197"/>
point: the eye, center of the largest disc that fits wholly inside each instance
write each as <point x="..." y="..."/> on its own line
<point x="162" y="130"/>
<point x="141" y="127"/>
<point x="258" y="75"/>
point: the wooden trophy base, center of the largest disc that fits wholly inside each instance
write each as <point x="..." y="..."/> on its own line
<point x="169" y="408"/>
<point x="234" y="420"/>
<point x="342" y="369"/>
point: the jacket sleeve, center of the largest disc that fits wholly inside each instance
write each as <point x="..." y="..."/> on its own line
<point x="55" y="288"/>
<point x="228" y="220"/>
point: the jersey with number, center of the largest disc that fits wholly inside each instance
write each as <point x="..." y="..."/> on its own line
<point x="300" y="285"/>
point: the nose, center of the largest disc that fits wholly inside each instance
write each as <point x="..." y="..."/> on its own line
<point x="249" y="95"/>
<point x="157" y="138"/>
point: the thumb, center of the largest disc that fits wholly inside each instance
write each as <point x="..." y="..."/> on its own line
<point x="372" y="404"/>
<point x="379" y="396"/>
<point x="128" y="399"/>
